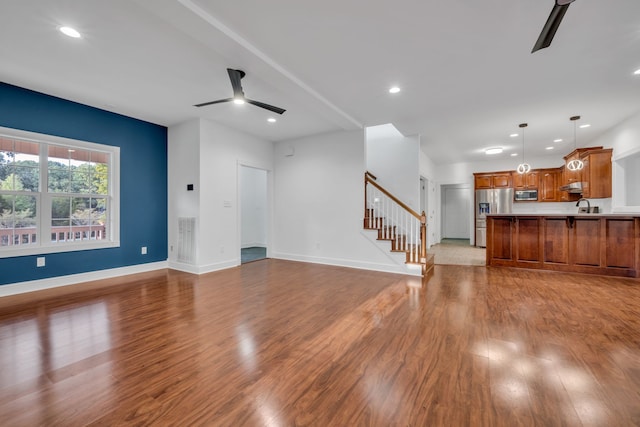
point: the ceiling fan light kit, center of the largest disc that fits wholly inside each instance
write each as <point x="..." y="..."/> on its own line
<point x="523" y="167"/>
<point x="552" y="24"/>
<point x="238" y="94"/>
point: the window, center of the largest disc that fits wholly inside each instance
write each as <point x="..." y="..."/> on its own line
<point x="56" y="194"/>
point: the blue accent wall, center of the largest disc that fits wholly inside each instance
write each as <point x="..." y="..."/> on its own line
<point x="143" y="181"/>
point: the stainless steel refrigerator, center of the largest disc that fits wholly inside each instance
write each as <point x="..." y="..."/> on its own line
<point x="494" y="201"/>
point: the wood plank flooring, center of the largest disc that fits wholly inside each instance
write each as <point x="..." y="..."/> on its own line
<point x="278" y="343"/>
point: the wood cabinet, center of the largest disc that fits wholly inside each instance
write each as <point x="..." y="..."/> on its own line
<point x="622" y="243"/>
<point x="596" y="173"/>
<point x="580" y="243"/>
<point x="548" y="189"/>
<point x="527" y="239"/>
<point x="492" y="180"/>
<point x="525" y="181"/>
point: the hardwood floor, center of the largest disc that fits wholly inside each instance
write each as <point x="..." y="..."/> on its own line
<point x="278" y="343"/>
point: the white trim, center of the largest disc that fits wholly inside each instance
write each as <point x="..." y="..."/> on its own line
<point x="253" y="245"/>
<point x="361" y="265"/>
<point x="624" y="154"/>
<point x="208" y="268"/>
<point x="203" y="269"/>
<point x="73" y="279"/>
<point x="43" y="245"/>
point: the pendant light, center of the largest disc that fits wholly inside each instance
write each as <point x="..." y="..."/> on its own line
<point x="523" y="167"/>
<point x="575" y="164"/>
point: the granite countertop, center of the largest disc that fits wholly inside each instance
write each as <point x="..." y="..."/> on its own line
<point x="575" y="214"/>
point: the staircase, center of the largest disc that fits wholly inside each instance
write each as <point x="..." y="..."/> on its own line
<point x="397" y="223"/>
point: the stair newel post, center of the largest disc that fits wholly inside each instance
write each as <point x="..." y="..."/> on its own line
<point x="366" y="205"/>
<point x="423" y="238"/>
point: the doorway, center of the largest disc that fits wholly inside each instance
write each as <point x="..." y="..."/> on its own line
<point x="253" y="214"/>
<point x="455" y="212"/>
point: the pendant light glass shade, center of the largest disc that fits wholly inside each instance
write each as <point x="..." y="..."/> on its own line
<point x="575" y="164"/>
<point x="523" y="167"/>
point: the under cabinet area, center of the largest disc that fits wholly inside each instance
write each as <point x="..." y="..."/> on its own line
<point x="580" y="243"/>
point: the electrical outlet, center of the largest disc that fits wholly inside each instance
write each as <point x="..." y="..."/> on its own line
<point x="143" y="251"/>
<point x="40" y="262"/>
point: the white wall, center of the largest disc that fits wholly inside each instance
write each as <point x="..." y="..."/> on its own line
<point x="625" y="141"/>
<point x="395" y="160"/>
<point x="319" y="202"/>
<point x="434" y="227"/>
<point x="183" y="168"/>
<point x="209" y="156"/>
<point x="222" y="152"/>
<point x="254" y="208"/>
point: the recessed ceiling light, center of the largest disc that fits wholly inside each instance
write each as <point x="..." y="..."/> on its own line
<point x="557" y="140"/>
<point x="271" y="120"/>
<point x="394" y="89"/>
<point x="549" y="148"/>
<point x="71" y="32"/>
<point x="238" y="101"/>
<point x="586" y="125"/>
<point x="513" y="135"/>
<point x="493" y="150"/>
<point x="637" y="72"/>
<point x="514" y="154"/>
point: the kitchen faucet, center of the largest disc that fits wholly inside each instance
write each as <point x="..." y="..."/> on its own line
<point x="588" y="204"/>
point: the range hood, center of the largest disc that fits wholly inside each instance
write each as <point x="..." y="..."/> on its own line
<point x="574" y="187"/>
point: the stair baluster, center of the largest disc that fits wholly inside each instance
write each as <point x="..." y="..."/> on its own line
<point x="396" y="222"/>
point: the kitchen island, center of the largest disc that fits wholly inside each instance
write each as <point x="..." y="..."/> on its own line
<point x="606" y="244"/>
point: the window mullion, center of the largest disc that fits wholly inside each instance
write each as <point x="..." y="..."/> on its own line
<point x="45" y="197"/>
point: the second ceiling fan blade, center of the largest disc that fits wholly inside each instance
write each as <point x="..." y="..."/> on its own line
<point x="204" y="104"/>
<point x="552" y="24"/>
<point x="277" y="110"/>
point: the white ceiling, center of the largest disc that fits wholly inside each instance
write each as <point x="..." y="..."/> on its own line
<point x="465" y="68"/>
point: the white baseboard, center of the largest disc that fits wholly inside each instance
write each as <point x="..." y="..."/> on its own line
<point x="202" y="269"/>
<point x="362" y="265"/>
<point x="253" y="245"/>
<point x="73" y="279"/>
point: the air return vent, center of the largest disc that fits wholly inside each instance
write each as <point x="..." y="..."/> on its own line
<point x="187" y="240"/>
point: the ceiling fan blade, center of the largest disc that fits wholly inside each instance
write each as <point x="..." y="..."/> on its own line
<point x="552" y="24"/>
<point x="204" y="104"/>
<point x="235" y="76"/>
<point x="266" y="106"/>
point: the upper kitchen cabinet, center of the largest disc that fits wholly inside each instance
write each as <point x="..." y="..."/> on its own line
<point x="492" y="180"/>
<point x="596" y="173"/>
<point x="525" y="181"/>
<point x="576" y="175"/>
<point x="548" y="188"/>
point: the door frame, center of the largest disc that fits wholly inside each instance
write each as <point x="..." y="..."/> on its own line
<point x="269" y="212"/>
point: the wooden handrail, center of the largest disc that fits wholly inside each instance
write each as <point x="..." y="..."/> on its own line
<point x="394" y="198"/>
<point x="422" y="255"/>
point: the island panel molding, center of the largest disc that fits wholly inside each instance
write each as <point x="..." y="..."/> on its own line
<point x="587" y="243"/>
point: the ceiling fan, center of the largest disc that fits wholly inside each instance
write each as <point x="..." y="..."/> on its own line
<point x="238" y="95"/>
<point x="553" y="22"/>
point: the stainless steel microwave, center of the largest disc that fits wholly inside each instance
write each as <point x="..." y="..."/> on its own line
<point x="525" y="195"/>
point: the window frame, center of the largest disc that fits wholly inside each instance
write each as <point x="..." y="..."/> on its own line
<point x="44" y="197"/>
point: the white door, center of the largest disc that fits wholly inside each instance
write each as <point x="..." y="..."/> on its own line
<point x="455" y="212"/>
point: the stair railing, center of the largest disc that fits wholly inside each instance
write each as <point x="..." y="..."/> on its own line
<point x="395" y="221"/>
